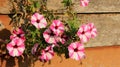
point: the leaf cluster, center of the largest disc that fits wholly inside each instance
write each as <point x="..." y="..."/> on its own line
<point x="24" y="9"/>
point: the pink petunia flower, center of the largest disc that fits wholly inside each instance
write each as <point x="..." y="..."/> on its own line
<point x="49" y="36"/>
<point x="84" y="2"/>
<point x="16" y="47"/>
<point x="63" y="38"/>
<point x="34" y="48"/>
<point x="84" y="33"/>
<point x="76" y="50"/>
<point x="57" y="27"/>
<point x="19" y="33"/>
<point x="92" y="30"/>
<point x="38" y="21"/>
<point x="47" y="54"/>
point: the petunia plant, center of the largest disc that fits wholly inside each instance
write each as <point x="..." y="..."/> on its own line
<point x="42" y="33"/>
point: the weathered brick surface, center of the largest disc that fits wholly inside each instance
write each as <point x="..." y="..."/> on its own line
<point x="5" y="6"/>
<point x="94" y="6"/>
<point x="108" y="26"/>
<point x="5" y="31"/>
<point x="5" y="22"/>
<point x="95" y="57"/>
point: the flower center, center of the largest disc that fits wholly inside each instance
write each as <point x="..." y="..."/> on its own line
<point x="51" y="33"/>
<point x="83" y="32"/>
<point x="18" y="35"/>
<point x="46" y="50"/>
<point x="76" y="50"/>
<point x="15" y="46"/>
<point x="56" y="27"/>
<point x="38" y="21"/>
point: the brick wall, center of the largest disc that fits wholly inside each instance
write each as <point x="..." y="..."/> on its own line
<point x="104" y="13"/>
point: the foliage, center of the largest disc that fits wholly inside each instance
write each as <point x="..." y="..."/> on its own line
<point x="41" y="33"/>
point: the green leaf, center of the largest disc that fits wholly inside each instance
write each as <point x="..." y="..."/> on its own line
<point x="73" y="24"/>
<point x="32" y="8"/>
<point x="67" y="2"/>
<point x="36" y="4"/>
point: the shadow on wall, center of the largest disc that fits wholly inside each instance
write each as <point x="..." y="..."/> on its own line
<point x="5" y="59"/>
<point x="22" y="61"/>
<point x="4" y="35"/>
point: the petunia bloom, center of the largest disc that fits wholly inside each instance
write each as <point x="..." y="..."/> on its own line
<point x="18" y="33"/>
<point x="63" y="38"/>
<point x="84" y="33"/>
<point x="49" y="36"/>
<point x="38" y="21"/>
<point x="57" y="27"/>
<point x="84" y="2"/>
<point x="92" y="30"/>
<point x="16" y="47"/>
<point x="47" y="54"/>
<point x="76" y="50"/>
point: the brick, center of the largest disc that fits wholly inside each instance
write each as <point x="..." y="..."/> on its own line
<point x="5" y="31"/>
<point x="95" y="6"/>
<point x="5" y="6"/>
<point x="95" y="57"/>
<point x="108" y="26"/>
